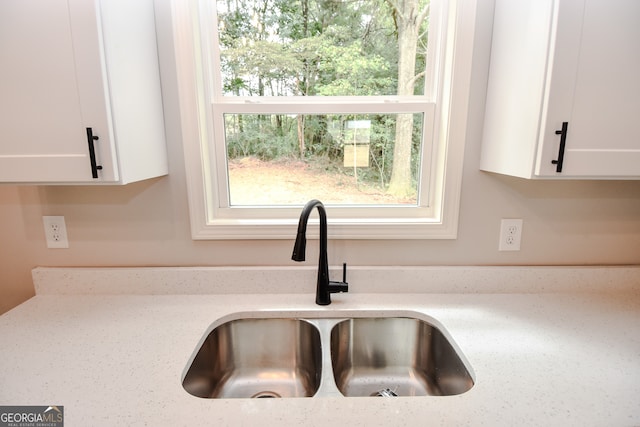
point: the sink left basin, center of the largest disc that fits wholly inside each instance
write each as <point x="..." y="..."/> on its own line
<point x="257" y="358"/>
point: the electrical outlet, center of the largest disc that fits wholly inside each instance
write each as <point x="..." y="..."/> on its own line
<point x="55" y="232"/>
<point x="510" y="235"/>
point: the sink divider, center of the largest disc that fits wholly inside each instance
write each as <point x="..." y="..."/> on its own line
<point x="328" y="386"/>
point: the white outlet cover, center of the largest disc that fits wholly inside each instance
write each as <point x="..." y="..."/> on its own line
<point x="510" y="235"/>
<point x="55" y="232"/>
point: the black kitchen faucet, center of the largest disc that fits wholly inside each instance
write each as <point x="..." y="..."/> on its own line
<point x="324" y="287"/>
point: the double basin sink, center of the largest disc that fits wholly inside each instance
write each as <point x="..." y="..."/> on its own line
<point x="362" y="355"/>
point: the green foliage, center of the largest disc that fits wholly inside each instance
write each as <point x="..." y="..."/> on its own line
<point x="312" y="48"/>
<point x="261" y="137"/>
<point x="348" y="72"/>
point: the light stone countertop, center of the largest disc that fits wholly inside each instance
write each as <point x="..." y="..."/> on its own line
<point x="568" y="357"/>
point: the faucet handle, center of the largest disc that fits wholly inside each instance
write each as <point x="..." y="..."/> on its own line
<point x="335" y="287"/>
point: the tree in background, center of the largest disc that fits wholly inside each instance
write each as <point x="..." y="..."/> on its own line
<point x="409" y="17"/>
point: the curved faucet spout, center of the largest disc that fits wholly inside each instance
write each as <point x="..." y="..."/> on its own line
<point x="301" y="239"/>
<point x="324" y="287"/>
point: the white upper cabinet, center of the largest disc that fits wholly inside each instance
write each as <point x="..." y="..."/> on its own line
<point x="76" y="77"/>
<point x="572" y="64"/>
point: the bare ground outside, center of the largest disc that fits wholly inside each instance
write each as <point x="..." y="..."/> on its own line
<point x="295" y="182"/>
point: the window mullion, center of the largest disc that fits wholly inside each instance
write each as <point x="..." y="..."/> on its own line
<point x="314" y="106"/>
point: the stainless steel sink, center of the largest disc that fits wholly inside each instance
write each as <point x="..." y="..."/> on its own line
<point x="394" y="355"/>
<point x="257" y="358"/>
<point x="358" y="355"/>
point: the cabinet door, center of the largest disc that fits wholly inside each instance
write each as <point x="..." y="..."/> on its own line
<point x="603" y="133"/>
<point x="43" y="108"/>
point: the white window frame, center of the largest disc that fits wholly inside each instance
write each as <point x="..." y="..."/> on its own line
<point x="437" y="218"/>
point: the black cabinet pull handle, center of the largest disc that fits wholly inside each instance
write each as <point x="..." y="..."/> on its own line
<point x="563" y="141"/>
<point x="92" y="152"/>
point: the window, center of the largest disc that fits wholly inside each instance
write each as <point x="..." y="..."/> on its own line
<point x="283" y="102"/>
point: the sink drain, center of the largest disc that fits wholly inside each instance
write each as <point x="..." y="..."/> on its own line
<point x="385" y="392"/>
<point x="265" y="395"/>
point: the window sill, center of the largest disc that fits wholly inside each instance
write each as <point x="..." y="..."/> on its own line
<point x="226" y="229"/>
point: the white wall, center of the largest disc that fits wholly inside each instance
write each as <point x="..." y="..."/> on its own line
<point x="147" y="223"/>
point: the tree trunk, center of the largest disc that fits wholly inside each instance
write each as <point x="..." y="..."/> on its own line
<point x="301" y="144"/>
<point x="304" y="85"/>
<point x="409" y="18"/>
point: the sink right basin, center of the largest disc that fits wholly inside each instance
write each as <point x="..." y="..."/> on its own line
<point x="403" y="356"/>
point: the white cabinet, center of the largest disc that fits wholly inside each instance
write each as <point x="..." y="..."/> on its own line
<point x="73" y="69"/>
<point x="571" y="62"/>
